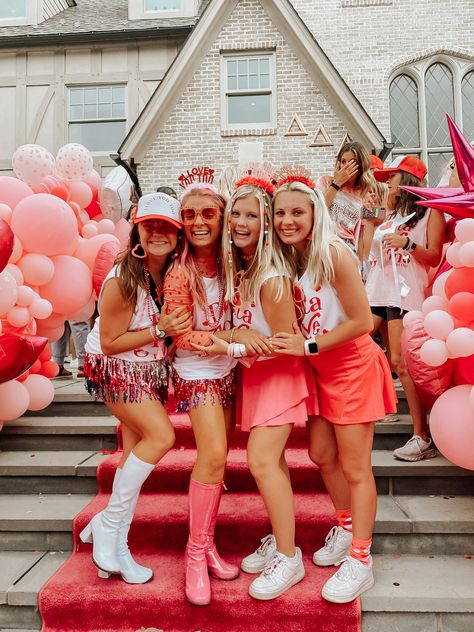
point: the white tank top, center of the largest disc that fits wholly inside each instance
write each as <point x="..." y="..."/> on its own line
<point x="323" y="309"/>
<point x="140" y="320"/>
<point x="188" y="364"/>
<point x="406" y="288"/>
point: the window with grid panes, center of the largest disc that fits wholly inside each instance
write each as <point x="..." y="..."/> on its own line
<point x="163" y="5"/>
<point x="419" y="98"/>
<point x="249" y="91"/>
<point x="97" y="117"/>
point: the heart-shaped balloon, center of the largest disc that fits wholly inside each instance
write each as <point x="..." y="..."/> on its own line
<point x="18" y="354"/>
<point x="6" y="243"/>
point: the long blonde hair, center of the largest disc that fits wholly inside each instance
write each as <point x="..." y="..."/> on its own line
<point x="319" y="264"/>
<point x="187" y="259"/>
<point x="251" y="279"/>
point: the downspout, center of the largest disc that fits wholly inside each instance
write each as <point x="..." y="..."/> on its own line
<point x="117" y="158"/>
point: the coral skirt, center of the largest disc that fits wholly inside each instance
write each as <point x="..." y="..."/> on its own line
<point x="274" y="392"/>
<point x="353" y="382"/>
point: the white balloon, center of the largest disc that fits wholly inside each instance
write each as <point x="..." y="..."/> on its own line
<point x="32" y="163"/>
<point x="74" y="162"/>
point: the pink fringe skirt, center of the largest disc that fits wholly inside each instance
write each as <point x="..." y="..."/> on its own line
<point x="192" y="393"/>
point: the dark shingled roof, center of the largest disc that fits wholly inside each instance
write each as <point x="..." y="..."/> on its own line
<point x="95" y="16"/>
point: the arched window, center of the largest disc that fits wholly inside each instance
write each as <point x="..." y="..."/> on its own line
<point x="419" y="98"/>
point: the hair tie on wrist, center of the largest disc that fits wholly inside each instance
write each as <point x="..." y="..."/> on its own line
<point x="335" y="186"/>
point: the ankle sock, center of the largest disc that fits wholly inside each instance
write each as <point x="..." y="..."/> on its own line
<point x="360" y="549"/>
<point x="344" y="519"/>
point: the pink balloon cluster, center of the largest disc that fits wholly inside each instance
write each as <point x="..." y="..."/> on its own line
<point x="58" y="231"/>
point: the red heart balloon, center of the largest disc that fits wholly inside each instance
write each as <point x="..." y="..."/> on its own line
<point x="18" y="354"/>
<point x="6" y="243"/>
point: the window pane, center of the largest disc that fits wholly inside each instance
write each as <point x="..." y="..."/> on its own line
<point x="253" y="66"/>
<point x="404" y="112"/>
<point x="118" y="94"/>
<point x="105" y="95"/>
<point x="254" y="83"/>
<point x="436" y="165"/>
<point x="439" y="100"/>
<point x="77" y="96"/>
<point x="76" y="112"/>
<point x="13" y="9"/>
<point x="249" y="110"/>
<point x="102" y="136"/>
<point x="264" y="66"/>
<point x="243" y="83"/>
<point x="264" y="81"/>
<point x="232" y="83"/>
<point x="90" y="111"/>
<point x="467" y="89"/>
<point x="231" y="68"/>
<point x="163" y="5"/>
<point x="243" y="67"/>
<point x="105" y="110"/>
<point x="118" y="110"/>
<point x="90" y="95"/>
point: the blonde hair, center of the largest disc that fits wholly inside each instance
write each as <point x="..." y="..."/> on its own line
<point x="319" y="264"/>
<point x="381" y="193"/>
<point x="252" y="277"/>
<point x="187" y="259"/>
<point x="227" y="180"/>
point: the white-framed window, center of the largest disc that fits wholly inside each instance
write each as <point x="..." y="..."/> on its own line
<point x="19" y="12"/>
<point x="248" y="88"/>
<point x="143" y="9"/>
<point x="97" y="116"/>
<point x="420" y="95"/>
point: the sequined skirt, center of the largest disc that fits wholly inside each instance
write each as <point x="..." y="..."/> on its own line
<point x="192" y="393"/>
<point x="113" y="379"/>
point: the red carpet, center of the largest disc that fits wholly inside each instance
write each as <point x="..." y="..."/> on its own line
<point x="75" y="600"/>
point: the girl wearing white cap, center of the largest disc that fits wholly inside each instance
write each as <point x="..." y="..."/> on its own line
<point x="125" y="365"/>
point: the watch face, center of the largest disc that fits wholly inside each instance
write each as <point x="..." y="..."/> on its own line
<point x="161" y="334"/>
<point x="313" y="347"/>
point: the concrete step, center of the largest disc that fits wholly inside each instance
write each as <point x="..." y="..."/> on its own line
<point x="56" y="472"/>
<point x="405" y="524"/>
<point x="420" y="594"/>
<point x="99" y="433"/>
<point x="23" y="575"/>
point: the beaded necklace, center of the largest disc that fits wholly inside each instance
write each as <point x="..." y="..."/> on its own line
<point x="212" y="321"/>
<point x="150" y="299"/>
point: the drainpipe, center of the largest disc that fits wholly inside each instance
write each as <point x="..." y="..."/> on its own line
<point x="117" y="158"/>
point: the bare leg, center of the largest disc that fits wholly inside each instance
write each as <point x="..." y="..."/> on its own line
<point x="264" y="452"/>
<point x="209" y="427"/>
<point x="323" y="450"/>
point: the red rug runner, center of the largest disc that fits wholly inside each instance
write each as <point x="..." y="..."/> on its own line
<point x="76" y="600"/>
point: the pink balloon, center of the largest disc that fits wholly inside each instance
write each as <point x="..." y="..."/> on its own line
<point x="89" y="230"/>
<point x="80" y="192"/>
<point x="13" y="191"/>
<point x="37" y="269"/>
<point x="54" y="321"/>
<point x="433" y="303"/>
<point x="31" y="163"/>
<point x="88" y="249"/>
<point x="8" y="292"/>
<point x="25" y="296"/>
<point x="106" y="226"/>
<point x="14" y="400"/>
<point x="41" y="308"/>
<point x="434" y="352"/>
<point x="53" y="334"/>
<point x="15" y="272"/>
<point x="438" y="324"/>
<point x="5" y="213"/>
<point x="45" y="224"/>
<point x="412" y="316"/>
<point x="122" y="232"/>
<point x="466" y="254"/>
<point x="17" y="251"/>
<point x="18" y="316"/>
<point x="464" y="230"/>
<point x="85" y="312"/>
<point x="71" y="285"/>
<point x="74" y="162"/>
<point x="439" y="283"/>
<point x="41" y="391"/>
<point x="94" y="181"/>
<point x="452" y="254"/>
<point x="452" y="426"/>
<point x="460" y="342"/>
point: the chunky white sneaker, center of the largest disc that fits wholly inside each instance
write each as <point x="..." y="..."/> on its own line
<point x="415" y="449"/>
<point x="256" y="561"/>
<point x="281" y="573"/>
<point x="336" y="547"/>
<point x="350" y="581"/>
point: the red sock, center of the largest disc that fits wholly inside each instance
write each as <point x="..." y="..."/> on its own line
<point x="360" y="549"/>
<point x="344" y="519"/>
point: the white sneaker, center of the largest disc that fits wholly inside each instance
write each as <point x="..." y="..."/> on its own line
<point x="350" y="581"/>
<point x="336" y="547"/>
<point x="415" y="449"/>
<point x="391" y="418"/>
<point x="281" y="573"/>
<point x="257" y="561"/>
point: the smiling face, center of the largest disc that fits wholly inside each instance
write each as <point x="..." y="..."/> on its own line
<point x="293" y="218"/>
<point x="202" y="234"/>
<point x="245" y="224"/>
<point x="157" y="237"/>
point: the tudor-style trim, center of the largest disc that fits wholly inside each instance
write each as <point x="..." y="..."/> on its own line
<point x="286" y="19"/>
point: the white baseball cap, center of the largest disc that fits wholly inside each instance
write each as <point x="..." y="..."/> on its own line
<point x="158" y="206"/>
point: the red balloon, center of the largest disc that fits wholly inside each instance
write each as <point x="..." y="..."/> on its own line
<point x="7" y="240"/>
<point x="465" y="370"/>
<point x="460" y="280"/>
<point x="93" y="209"/>
<point x="45" y="355"/>
<point x="23" y="376"/>
<point x="35" y="367"/>
<point x="461" y="306"/>
<point x="49" y="369"/>
<point x="18" y="354"/>
<point x="104" y="262"/>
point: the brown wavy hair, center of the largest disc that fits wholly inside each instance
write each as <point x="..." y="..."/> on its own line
<point x="405" y="204"/>
<point x="364" y="179"/>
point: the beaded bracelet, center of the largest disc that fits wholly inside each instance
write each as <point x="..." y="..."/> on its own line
<point x="154" y="335"/>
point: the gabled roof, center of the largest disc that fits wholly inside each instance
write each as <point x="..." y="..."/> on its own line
<point x="89" y="17"/>
<point x="294" y="30"/>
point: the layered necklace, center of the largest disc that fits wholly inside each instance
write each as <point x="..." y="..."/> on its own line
<point x="152" y="296"/>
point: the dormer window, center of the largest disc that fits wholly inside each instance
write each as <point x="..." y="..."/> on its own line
<point x="152" y="9"/>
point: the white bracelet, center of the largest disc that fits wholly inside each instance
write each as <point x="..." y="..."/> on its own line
<point x="239" y="350"/>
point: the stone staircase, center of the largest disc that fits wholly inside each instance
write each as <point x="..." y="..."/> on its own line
<point x="424" y="534"/>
